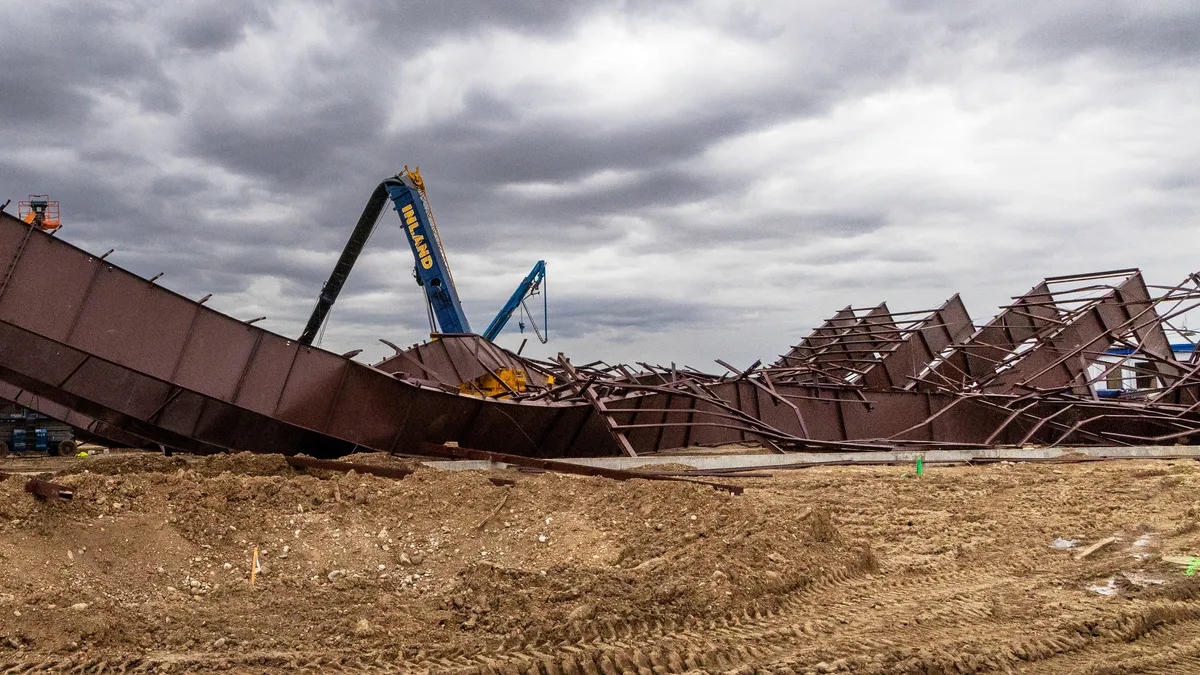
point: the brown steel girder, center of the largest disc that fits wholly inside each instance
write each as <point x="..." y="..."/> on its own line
<point x="89" y="335"/>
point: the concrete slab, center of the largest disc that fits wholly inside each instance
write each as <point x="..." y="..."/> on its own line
<point x="718" y="462"/>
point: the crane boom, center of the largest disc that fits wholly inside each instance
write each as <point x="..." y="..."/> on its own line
<point x="433" y="273"/>
<point x="528" y="286"/>
<point x="406" y="191"/>
<point x="341" y="271"/>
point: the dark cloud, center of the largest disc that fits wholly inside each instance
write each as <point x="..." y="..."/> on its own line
<point x="289" y="154"/>
<point x="1153" y="34"/>
<point x="1149" y="34"/>
<point x="792" y="229"/>
<point x="1180" y="180"/>
<point x="60" y="57"/>
<point x="233" y="145"/>
<point x="213" y="26"/>
<point x="31" y="101"/>
<point x="417" y="23"/>
<point x="564" y="151"/>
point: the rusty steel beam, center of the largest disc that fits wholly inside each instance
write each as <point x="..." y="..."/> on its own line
<point x="980" y="354"/>
<point x="839" y="350"/>
<point x="146" y="360"/>
<point x="113" y="436"/>
<point x="919" y="345"/>
<point x="877" y="348"/>
<point x="47" y="490"/>
<point x="618" y="433"/>
<point x="824" y="335"/>
<point x="1047" y="339"/>
<point x="844" y="354"/>
<point x="1054" y="361"/>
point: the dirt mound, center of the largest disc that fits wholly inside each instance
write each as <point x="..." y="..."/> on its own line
<point x="126" y="462"/>
<point x="835" y="569"/>
<point x="243" y="463"/>
<point x="660" y="551"/>
<point x="161" y="559"/>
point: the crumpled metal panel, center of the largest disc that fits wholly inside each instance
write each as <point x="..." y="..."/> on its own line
<point x="1045" y="341"/>
<point x="819" y="414"/>
<point x="132" y="357"/>
<point x="100" y="340"/>
<point x="920" y="345"/>
<point x="841" y="349"/>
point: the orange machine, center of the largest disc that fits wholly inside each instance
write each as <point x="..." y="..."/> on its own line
<point x="40" y="211"/>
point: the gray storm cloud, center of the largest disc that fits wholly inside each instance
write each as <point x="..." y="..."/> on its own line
<point x="705" y="180"/>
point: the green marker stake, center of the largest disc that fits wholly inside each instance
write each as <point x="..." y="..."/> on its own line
<point x="1193" y="565"/>
<point x="920" y="464"/>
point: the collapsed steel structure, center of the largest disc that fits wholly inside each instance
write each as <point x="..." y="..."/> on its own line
<point x="127" y="360"/>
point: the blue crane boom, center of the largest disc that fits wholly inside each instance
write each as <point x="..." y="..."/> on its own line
<point x="433" y="272"/>
<point x="406" y="191"/>
<point x="528" y="286"/>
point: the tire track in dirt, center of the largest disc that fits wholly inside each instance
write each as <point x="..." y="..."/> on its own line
<point x="675" y="646"/>
<point x="1167" y="635"/>
<point x="838" y="615"/>
<point x="949" y="636"/>
<point x="1159" y="638"/>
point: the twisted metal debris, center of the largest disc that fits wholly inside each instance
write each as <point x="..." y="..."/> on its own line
<point x="128" y="359"/>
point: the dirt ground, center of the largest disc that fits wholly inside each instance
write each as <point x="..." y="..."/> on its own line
<point x="843" y="569"/>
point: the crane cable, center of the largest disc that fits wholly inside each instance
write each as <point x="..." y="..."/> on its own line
<point x="433" y="327"/>
<point x="536" y="331"/>
<point x="538" y="289"/>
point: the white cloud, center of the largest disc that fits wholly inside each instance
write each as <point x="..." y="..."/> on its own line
<point x="611" y="67"/>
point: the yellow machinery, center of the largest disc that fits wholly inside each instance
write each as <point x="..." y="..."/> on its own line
<point x="502" y="383"/>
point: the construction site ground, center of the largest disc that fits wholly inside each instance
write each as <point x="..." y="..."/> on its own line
<point x="1006" y="568"/>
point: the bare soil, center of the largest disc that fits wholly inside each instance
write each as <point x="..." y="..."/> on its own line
<point x="840" y="569"/>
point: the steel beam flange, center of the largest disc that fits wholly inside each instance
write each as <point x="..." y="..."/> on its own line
<point x="47" y="490"/>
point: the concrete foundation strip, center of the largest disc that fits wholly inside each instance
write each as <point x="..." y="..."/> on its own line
<point x="798" y="460"/>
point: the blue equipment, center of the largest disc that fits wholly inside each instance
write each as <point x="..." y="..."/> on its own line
<point x="533" y="283"/>
<point x="21" y="440"/>
<point x="23" y="430"/>
<point x="433" y="272"/>
<point x="406" y="191"/>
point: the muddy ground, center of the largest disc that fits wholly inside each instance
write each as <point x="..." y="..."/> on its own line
<point x="844" y="569"/>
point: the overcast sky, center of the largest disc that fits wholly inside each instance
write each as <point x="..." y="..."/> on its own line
<point x="705" y="180"/>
